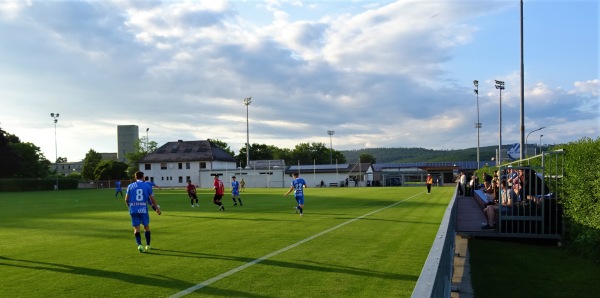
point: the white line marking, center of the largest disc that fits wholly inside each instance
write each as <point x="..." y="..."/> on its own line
<point x="240" y="268"/>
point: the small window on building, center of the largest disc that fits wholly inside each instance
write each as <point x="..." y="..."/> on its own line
<point x="147" y="167"/>
<point x="180" y="166"/>
<point x="187" y="165"/>
<point x="180" y="179"/>
<point x="163" y="165"/>
<point x="203" y="165"/>
<point x="187" y="178"/>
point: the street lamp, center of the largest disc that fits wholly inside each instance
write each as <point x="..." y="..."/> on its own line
<point x="147" y="140"/>
<point x="247" y="102"/>
<point x="478" y="124"/>
<point x="541" y="143"/>
<point x="528" y="137"/>
<point x="55" y="116"/>
<point x="500" y="86"/>
<point x="330" y="133"/>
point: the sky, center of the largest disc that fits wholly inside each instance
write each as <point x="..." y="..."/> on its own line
<point x="377" y="73"/>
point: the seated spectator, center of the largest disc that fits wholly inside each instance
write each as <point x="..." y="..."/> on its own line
<point x="508" y="199"/>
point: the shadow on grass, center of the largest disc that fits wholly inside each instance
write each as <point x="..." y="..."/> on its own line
<point x="226" y="218"/>
<point x="319" y="268"/>
<point x="230" y="293"/>
<point x="76" y="270"/>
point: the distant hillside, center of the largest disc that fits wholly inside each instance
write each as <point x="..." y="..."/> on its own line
<point x="402" y="155"/>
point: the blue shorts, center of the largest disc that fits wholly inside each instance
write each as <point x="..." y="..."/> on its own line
<point x="139" y="219"/>
<point x="300" y="200"/>
<point x="235" y="193"/>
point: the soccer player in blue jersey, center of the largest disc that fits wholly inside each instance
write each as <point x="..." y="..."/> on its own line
<point x="235" y="191"/>
<point x="118" y="188"/>
<point x="298" y="185"/>
<point x="137" y="197"/>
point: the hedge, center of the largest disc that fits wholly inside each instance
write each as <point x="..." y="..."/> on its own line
<point x="36" y="184"/>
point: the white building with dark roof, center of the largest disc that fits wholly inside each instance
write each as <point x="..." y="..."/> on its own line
<point x="175" y="163"/>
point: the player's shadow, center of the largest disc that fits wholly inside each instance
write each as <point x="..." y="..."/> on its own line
<point x="137" y="279"/>
<point x="295" y="265"/>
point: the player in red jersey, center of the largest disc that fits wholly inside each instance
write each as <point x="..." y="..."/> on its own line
<point x="219" y="191"/>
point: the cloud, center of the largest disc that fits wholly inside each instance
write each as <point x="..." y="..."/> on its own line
<point x="375" y="72"/>
<point x="589" y="87"/>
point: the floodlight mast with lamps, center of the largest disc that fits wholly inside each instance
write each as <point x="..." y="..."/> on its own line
<point x="541" y="143"/>
<point x="330" y="133"/>
<point x="55" y="116"/>
<point x="247" y="102"/>
<point x="147" y="140"/>
<point x="528" y="137"/>
<point x="478" y="124"/>
<point x="500" y="86"/>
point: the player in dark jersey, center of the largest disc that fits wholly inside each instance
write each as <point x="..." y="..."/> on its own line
<point x="191" y="191"/>
<point x="219" y="191"/>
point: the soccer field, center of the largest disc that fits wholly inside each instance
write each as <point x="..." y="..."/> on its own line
<point x="351" y="242"/>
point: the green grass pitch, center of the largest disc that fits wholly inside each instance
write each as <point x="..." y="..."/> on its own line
<point x="352" y="242"/>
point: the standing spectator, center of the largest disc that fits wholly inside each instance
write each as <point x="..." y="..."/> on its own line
<point x="242" y="185"/>
<point x="429" y="182"/>
<point x="460" y="193"/>
<point x="219" y="191"/>
<point x="118" y="188"/>
<point x="191" y="191"/>
<point x="463" y="183"/>
<point x="235" y="191"/>
<point x="137" y="197"/>
<point x="298" y="185"/>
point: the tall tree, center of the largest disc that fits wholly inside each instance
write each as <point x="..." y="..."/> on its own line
<point x="32" y="163"/>
<point x="366" y="158"/>
<point x="110" y="170"/>
<point x="223" y="146"/>
<point x="8" y="158"/>
<point x="318" y="153"/>
<point x="141" y="148"/>
<point x="91" y="160"/>
<point x="61" y="159"/>
<point x="259" y="152"/>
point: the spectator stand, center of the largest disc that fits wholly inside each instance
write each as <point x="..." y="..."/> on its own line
<point x="538" y="213"/>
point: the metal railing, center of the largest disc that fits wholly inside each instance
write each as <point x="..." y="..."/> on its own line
<point x="435" y="279"/>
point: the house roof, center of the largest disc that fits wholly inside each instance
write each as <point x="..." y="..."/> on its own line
<point x="186" y="151"/>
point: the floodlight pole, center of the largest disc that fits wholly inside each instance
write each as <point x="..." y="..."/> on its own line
<point x="478" y="124"/>
<point x="330" y="133"/>
<point x="247" y="102"/>
<point x="55" y="116"/>
<point x="147" y="140"/>
<point x="522" y="155"/>
<point x="500" y="86"/>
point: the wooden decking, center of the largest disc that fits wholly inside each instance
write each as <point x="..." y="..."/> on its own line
<point x="470" y="218"/>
